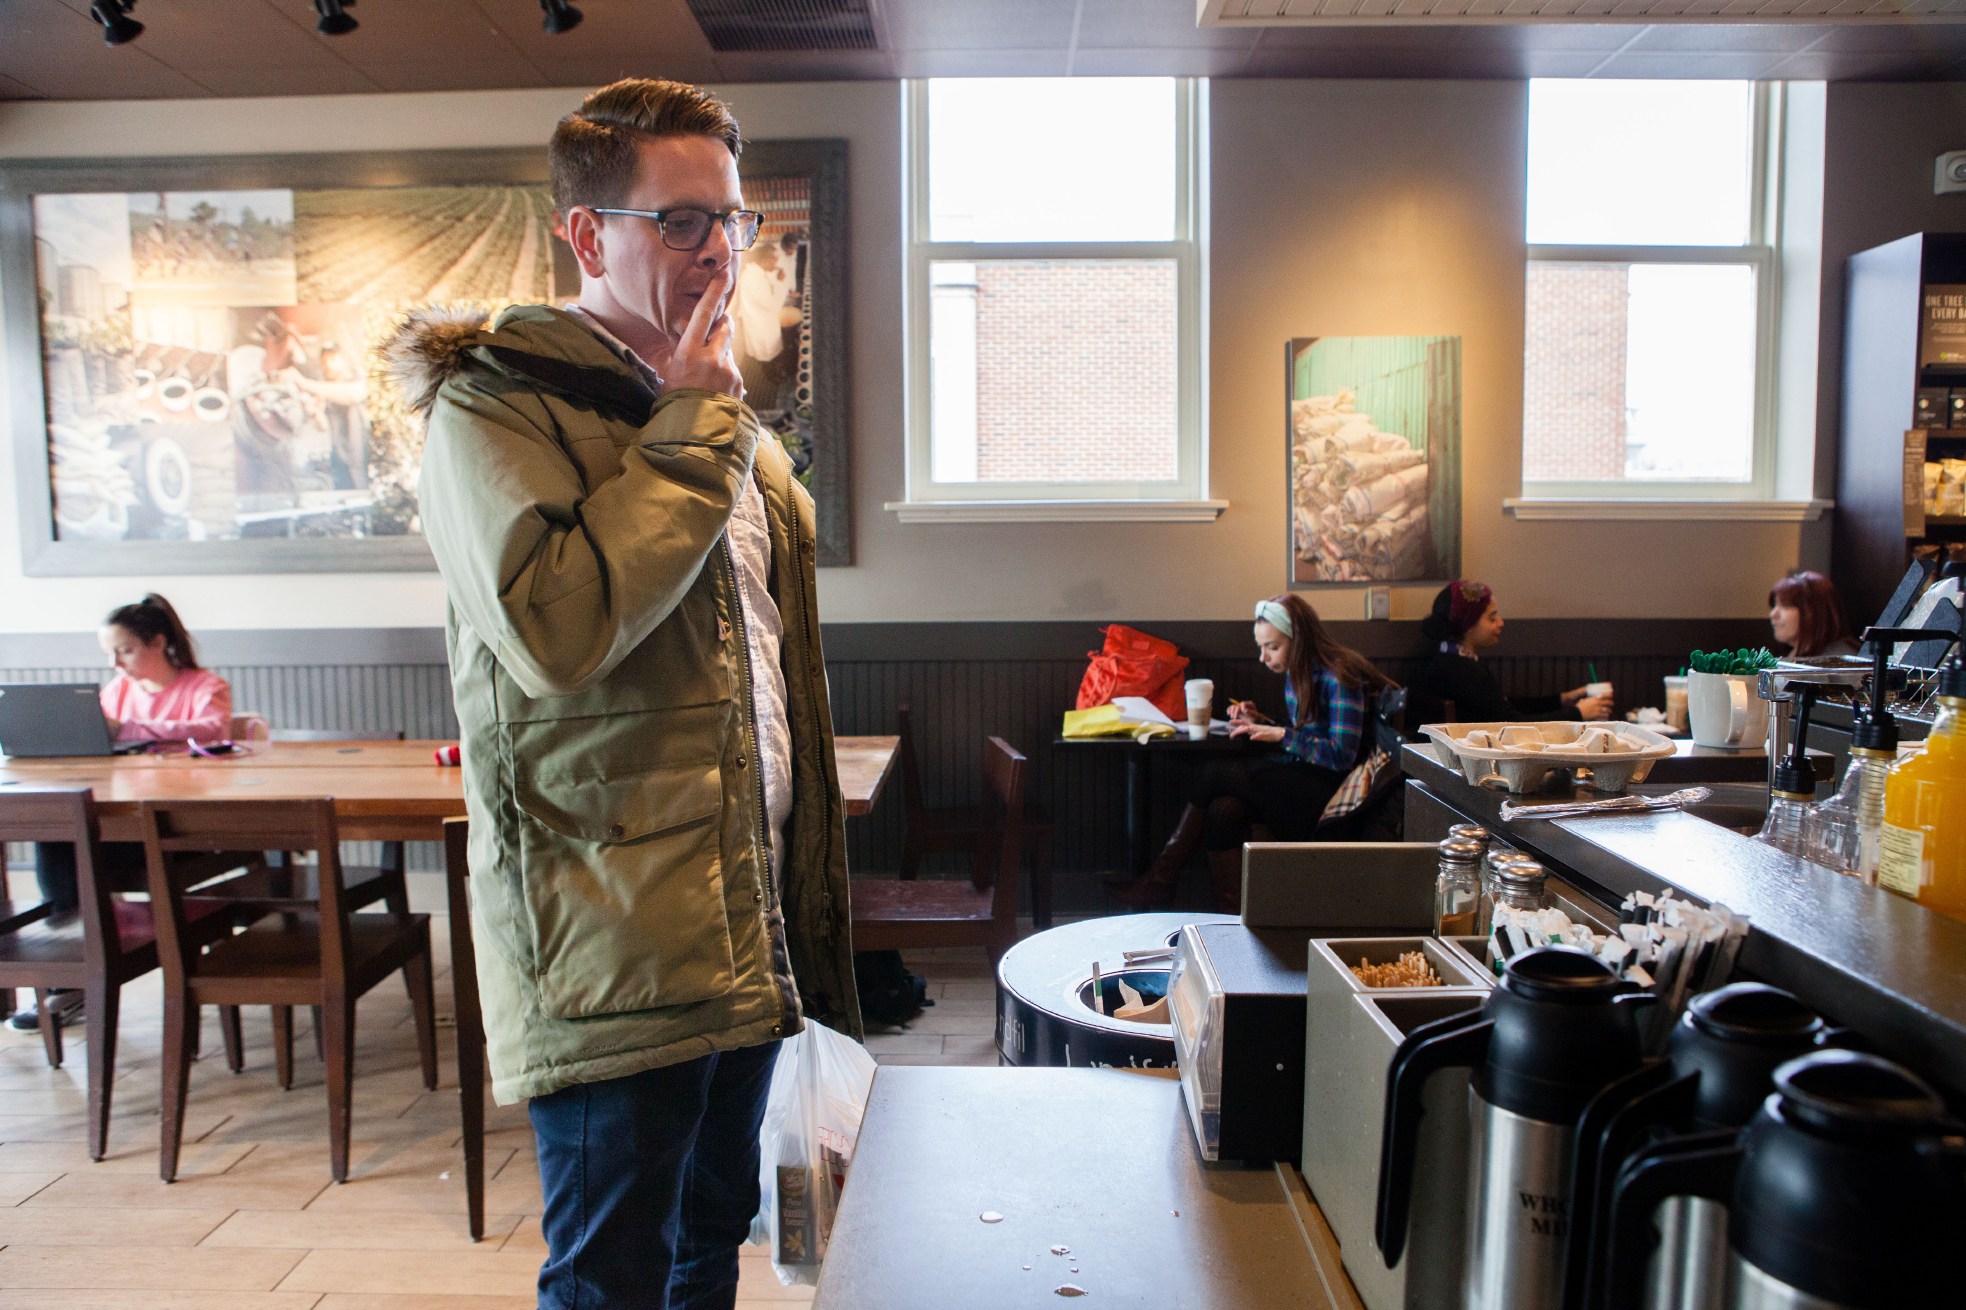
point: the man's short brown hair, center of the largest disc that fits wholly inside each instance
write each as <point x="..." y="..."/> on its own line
<point x="593" y="149"/>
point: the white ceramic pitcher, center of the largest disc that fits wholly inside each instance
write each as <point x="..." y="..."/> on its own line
<point x="1724" y="711"/>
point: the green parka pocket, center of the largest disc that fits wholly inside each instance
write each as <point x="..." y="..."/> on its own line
<point x="623" y="880"/>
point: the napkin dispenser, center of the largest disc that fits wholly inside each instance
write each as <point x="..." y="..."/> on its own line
<point x="1237" y="1007"/>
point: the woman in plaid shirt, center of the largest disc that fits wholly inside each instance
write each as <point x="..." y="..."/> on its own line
<point x="1327" y="694"/>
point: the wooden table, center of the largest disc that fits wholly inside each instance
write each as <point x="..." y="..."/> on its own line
<point x="383" y="791"/>
<point x="1139" y="756"/>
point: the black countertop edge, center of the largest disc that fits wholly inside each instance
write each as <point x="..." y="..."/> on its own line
<point x="1865" y="958"/>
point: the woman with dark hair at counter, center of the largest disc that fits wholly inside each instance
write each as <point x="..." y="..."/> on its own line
<point x="1466" y="622"/>
<point x="1328" y="691"/>
<point x="160" y="694"/>
<point x="1806" y="616"/>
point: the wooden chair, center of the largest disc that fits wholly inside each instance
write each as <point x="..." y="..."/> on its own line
<point x="893" y="914"/>
<point x="97" y="947"/>
<point x="470" y="1021"/>
<point x="956" y="830"/>
<point x="323" y="956"/>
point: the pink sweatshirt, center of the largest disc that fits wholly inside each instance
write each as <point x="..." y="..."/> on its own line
<point x="196" y="706"/>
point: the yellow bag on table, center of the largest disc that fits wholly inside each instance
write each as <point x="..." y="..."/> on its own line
<point x="1108" y="721"/>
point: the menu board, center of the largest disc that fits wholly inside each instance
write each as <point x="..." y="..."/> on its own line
<point x="1942" y="327"/>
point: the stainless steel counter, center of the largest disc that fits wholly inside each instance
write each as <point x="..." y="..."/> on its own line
<point x="1864" y="957"/>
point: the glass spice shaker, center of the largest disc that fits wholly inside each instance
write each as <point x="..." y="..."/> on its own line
<point x="1495" y="872"/>
<point x="1457" y="888"/>
<point x="1473" y="832"/>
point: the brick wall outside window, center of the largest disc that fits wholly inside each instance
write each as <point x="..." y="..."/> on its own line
<point x="1573" y="401"/>
<point x="1076" y="372"/>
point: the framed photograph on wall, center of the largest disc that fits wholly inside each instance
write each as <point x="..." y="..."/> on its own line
<point x="194" y="386"/>
<point x="1373" y="430"/>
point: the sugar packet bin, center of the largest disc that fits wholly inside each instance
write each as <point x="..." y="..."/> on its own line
<point x="812" y="1118"/>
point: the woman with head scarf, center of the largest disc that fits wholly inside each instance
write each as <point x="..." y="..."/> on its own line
<point x="1464" y="623"/>
<point x="1328" y="690"/>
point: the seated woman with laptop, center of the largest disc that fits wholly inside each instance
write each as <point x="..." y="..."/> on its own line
<point x="157" y="694"/>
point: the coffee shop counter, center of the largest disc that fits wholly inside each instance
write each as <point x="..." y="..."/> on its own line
<point x="1865" y="958"/>
<point x="964" y="1180"/>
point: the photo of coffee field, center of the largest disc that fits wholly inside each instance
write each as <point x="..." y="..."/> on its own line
<point x="1374" y="435"/>
<point x="209" y="356"/>
<point x="389" y="250"/>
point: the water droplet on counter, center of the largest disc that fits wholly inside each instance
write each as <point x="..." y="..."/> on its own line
<point x="1027" y="1266"/>
<point x="1177" y="1214"/>
<point x="1061" y="1249"/>
<point x="990" y="1217"/>
<point x="1069" y="1289"/>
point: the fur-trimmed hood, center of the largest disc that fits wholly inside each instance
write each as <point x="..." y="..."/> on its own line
<point x="428" y="348"/>
<point x="536" y="345"/>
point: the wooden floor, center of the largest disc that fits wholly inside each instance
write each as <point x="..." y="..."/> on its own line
<point x="255" y="1223"/>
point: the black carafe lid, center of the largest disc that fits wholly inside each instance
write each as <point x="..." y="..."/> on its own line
<point x="1734" y="1038"/>
<point x="1560" y="1036"/>
<point x="1849" y="1188"/>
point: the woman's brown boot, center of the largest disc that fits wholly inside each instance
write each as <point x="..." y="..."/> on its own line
<point x="1156" y="886"/>
<point x="1225" y="876"/>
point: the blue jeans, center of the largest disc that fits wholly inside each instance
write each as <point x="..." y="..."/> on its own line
<point x="651" y="1183"/>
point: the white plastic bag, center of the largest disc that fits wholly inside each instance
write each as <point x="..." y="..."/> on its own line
<point x="812" y="1119"/>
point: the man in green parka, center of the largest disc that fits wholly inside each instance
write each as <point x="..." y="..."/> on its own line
<point x="658" y="863"/>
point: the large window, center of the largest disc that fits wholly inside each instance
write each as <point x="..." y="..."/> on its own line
<point x="1053" y="299"/>
<point x="1651" y="291"/>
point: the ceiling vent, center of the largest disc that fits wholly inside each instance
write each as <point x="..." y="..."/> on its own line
<point x="1309" y="13"/>
<point x="786" y="24"/>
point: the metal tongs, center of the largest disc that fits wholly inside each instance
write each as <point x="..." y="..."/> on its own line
<point x="1611" y="805"/>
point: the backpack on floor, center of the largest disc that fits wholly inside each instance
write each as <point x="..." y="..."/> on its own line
<point x="889" y="994"/>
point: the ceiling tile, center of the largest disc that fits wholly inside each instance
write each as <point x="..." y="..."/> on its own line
<point x="1158" y="61"/>
<point x="436" y="75"/>
<point x="612" y="34"/>
<point x="1681" y="64"/>
<point x="598" y="68"/>
<point x="1949" y="38"/>
<point x="1448" y="36"/>
<point x="1139" y="24"/>
<point x="805" y="66"/>
<point x="980" y="63"/>
<point x="327" y="79"/>
<point x="1848" y="66"/>
<point x="13" y="90"/>
<point x="1727" y="38"/>
<point x="947" y="25"/>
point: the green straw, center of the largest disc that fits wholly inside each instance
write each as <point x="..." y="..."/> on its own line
<point x="1593" y="668"/>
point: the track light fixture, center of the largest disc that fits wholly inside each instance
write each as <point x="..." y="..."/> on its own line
<point x="118" y="28"/>
<point x="334" y="19"/>
<point x="560" y="16"/>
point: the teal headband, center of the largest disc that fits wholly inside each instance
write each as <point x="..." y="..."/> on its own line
<point x="1276" y="616"/>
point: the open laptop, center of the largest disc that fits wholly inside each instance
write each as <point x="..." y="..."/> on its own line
<point x="56" y="718"/>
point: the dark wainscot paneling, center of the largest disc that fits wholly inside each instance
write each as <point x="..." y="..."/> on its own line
<point x="963" y="681"/>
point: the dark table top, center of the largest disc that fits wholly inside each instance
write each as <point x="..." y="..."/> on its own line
<point x="1099" y="1160"/>
<point x="1180" y="741"/>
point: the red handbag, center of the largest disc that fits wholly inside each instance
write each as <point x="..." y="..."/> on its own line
<point x="1135" y="663"/>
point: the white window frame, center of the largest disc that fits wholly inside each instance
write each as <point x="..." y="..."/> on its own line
<point x="1760" y="252"/>
<point x="1183" y="498"/>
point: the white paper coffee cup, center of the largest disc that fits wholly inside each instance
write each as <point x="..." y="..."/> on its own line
<point x="1201" y="701"/>
<point x="1597" y="689"/>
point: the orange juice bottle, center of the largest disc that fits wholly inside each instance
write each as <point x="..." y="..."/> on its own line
<point x="1922" y="851"/>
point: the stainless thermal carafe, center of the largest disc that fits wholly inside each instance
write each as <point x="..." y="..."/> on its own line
<point x="1845" y="1192"/>
<point x="1554" y="1033"/>
<point x="1720" y="1064"/>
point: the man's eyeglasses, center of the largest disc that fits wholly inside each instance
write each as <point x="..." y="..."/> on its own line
<point x="688" y="229"/>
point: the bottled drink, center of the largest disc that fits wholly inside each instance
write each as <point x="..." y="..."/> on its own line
<point x="1922" y="849"/>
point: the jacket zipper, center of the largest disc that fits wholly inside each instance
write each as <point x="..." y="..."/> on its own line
<point x="812" y="644"/>
<point x="758" y="833"/>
